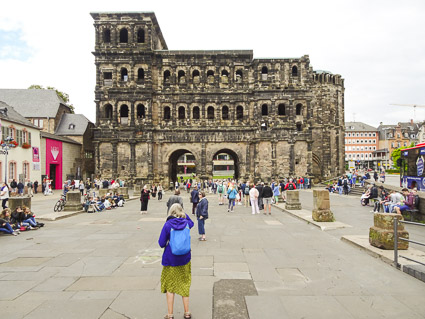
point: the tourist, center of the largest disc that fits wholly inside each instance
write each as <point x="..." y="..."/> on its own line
<point x="382" y="177"/>
<point x="5" y="226"/>
<point x="154" y="190"/>
<point x="276" y="194"/>
<point x="13" y="186"/>
<point x="160" y="190"/>
<point x="174" y="199"/>
<point x="202" y="215"/>
<point x="176" y="275"/>
<point x="21" y="187"/>
<point x="259" y="187"/>
<point x="290" y="185"/>
<point x="407" y="203"/>
<point x="220" y="191"/>
<point x="144" y="199"/>
<point x="29" y="187"/>
<point x="267" y="195"/>
<point x="231" y="195"/>
<point x="384" y="197"/>
<point x="194" y="199"/>
<point x="81" y="188"/>
<point x="282" y="190"/>
<point x="375" y="176"/>
<point x="395" y="199"/>
<point x="4" y="195"/>
<point x="246" y="194"/>
<point x="35" y="187"/>
<point x="253" y="196"/>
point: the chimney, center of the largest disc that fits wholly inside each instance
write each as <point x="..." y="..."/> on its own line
<point x="411" y="121"/>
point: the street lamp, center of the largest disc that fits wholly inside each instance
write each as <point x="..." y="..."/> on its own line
<point x="6" y="146"/>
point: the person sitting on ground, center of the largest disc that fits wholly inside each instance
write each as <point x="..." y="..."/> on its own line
<point x="373" y="194"/>
<point x="5" y="223"/>
<point x="174" y="199"/>
<point x="407" y="204"/>
<point x="383" y="198"/>
<point x="17" y="217"/>
<point x="30" y="219"/>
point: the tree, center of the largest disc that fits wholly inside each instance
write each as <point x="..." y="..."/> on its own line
<point x="62" y="95"/>
<point x="395" y="155"/>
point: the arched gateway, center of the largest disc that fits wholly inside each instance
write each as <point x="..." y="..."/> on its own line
<point x="270" y="120"/>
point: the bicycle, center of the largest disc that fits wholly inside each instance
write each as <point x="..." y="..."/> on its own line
<point x="60" y="204"/>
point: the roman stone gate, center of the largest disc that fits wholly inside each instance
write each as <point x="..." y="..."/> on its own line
<point x="161" y="114"/>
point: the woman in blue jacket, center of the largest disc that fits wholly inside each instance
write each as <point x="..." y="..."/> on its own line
<point x="231" y="195"/>
<point x="176" y="274"/>
<point x="202" y="214"/>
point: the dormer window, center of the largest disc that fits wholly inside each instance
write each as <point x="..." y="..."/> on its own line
<point x="71" y="126"/>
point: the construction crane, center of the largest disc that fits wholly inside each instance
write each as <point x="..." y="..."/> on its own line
<point x="414" y="108"/>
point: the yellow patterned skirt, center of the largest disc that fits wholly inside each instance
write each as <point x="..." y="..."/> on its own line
<point x="176" y="279"/>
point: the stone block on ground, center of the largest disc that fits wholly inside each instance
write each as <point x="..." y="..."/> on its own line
<point x="103" y="191"/>
<point x="73" y="201"/>
<point x="19" y="201"/>
<point x="293" y="200"/>
<point x="384" y="239"/>
<point x="137" y="190"/>
<point x="386" y="221"/>
<point x="321" y="206"/>
<point x="123" y="191"/>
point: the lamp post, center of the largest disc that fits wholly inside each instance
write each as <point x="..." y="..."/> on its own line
<point x="6" y="146"/>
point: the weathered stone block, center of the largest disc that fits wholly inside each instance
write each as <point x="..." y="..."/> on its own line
<point x="137" y="190"/>
<point x="123" y="191"/>
<point x="73" y="201"/>
<point x="321" y="206"/>
<point x="386" y="221"/>
<point x="293" y="200"/>
<point x="19" y="201"/>
<point x="384" y="239"/>
<point x="103" y="191"/>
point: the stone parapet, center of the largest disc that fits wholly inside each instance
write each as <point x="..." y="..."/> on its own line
<point x="293" y="200"/>
<point x="322" y="206"/>
<point x="381" y="235"/>
<point x="19" y="201"/>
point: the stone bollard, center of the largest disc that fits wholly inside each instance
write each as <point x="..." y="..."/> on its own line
<point x="103" y="191"/>
<point x="73" y="201"/>
<point x="322" y="206"/>
<point x="137" y="190"/>
<point x="18" y="201"/>
<point x="293" y="200"/>
<point x="381" y="235"/>
<point x="124" y="192"/>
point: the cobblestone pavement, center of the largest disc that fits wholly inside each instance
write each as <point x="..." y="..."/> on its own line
<point x="107" y="265"/>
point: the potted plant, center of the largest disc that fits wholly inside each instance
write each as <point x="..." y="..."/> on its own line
<point x="26" y="145"/>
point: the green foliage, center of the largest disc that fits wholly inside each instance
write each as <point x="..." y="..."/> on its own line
<point x="62" y="95"/>
<point x="395" y="155"/>
<point x="392" y="171"/>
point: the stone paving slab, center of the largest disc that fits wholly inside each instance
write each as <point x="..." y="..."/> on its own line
<point x="260" y="307"/>
<point x="114" y="283"/>
<point x="58" y="215"/>
<point x="17" y="309"/>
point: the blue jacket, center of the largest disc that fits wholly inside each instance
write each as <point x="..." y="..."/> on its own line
<point x="202" y="208"/>
<point x="276" y="191"/>
<point x="168" y="259"/>
<point x="232" y="193"/>
<point x="195" y="196"/>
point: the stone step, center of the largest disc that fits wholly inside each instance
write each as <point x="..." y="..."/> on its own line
<point x="417" y="271"/>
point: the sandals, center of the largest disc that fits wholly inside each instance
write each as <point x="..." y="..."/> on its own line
<point x="187" y="315"/>
<point x="202" y="239"/>
<point x="169" y="317"/>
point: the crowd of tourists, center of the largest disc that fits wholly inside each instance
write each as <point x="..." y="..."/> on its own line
<point x="344" y="183"/>
<point x="20" y="219"/>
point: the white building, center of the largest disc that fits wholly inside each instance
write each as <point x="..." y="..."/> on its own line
<point x="23" y="161"/>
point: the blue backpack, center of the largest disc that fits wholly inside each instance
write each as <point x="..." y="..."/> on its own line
<point x="180" y="241"/>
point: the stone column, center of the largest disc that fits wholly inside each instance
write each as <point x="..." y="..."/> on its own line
<point x="133" y="171"/>
<point x="115" y="114"/>
<point x="291" y="158"/>
<point x="273" y="160"/>
<point x="96" y="159"/>
<point x="248" y="162"/>
<point x="97" y="112"/>
<point x="293" y="200"/>
<point x="381" y="235"/>
<point x="132" y="122"/>
<point x="322" y="206"/>
<point x="203" y="171"/>
<point x="114" y="159"/>
<point x="309" y="159"/>
<point x="150" y="162"/>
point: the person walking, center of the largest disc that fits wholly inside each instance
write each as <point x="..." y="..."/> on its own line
<point x="144" y="199"/>
<point x="231" y="195"/>
<point x="35" y="187"/>
<point x="4" y="195"/>
<point x="174" y="199"/>
<point x="176" y="276"/>
<point x="246" y="194"/>
<point x="202" y="215"/>
<point x="194" y="198"/>
<point x="220" y="190"/>
<point x="276" y="193"/>
<point x="81" y="187"/>
<point x="21" y="187"/>
<point x="29" y="186"/>
<point x="253" y="196"/>
<point x="160" y="190"/>
<point x="267" y="195"/>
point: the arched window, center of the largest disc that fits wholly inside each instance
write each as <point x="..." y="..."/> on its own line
<point x="225" y="113"/>
<point x="181" y="113"/>
<point x="264" y="109"/>
<point x="299" y="127"/>
<point x="107" y="36"/>
<point x="239" y="112"/>
<point x="196" y="113"/>
<point x="181" y="76"/>
<point x="140" y="74"/>
<point x="299" y="109"/>
<point x="123" y="35"/>
<point x="195" y="73"/>
<point x="124" y="110"/>
<point x="210" y="76"/>
<point x="196" y="76"/>
<point x="239" y="76"/>
<point x="124" y="75"/>
<point x="210" y="113"/>
<point x="141" y="113"/>
<point x="264" y="73"/>
<point x="167" y="75"/>
<point x="281" y="109"/>
<point x="224" y="73"/>
<point x="294" y="71"/>
<point x="108" y="111"/>
<point x="140" y="36"/>
<point x="167" y="113"/>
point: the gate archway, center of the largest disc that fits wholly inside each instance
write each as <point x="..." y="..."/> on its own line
<point x="182" y="163"/>
<point x="225" y="162"/>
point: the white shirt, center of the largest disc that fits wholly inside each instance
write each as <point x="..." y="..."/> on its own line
<point x="253" y="193"/>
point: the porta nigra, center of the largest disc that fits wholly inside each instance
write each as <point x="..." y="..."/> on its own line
<point x="275" y="117"/>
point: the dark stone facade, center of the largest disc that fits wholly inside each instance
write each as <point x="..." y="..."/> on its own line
<point x="276" y="117"/>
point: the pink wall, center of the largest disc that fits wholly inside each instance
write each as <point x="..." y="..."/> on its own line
<point x="54" y="156"/>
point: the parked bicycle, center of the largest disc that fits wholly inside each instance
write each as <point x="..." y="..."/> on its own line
<point x="60" y="204"/>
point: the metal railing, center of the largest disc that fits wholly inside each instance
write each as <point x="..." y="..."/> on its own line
<point x="396" y="239"/>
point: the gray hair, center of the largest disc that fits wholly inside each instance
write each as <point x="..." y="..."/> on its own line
<point x="176" y="210"/>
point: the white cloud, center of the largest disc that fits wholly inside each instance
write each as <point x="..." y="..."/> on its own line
<point x="377" y="46"/>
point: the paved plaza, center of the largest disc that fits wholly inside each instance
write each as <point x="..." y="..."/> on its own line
<point x="108" y="265"/>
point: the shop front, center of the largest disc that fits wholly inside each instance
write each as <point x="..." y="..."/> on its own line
<point x="54" y="162"/>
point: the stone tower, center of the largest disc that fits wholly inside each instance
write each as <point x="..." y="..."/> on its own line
<point x="275" y="117"/>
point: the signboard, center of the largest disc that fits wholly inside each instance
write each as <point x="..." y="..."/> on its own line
<point x="418" y="182"/>
<point x="35" y="155"/>
<point x="420" y="166"/>
<point x="422" y="151"/>
<point x="351" y="165"/>
<point x="36" y="166"/>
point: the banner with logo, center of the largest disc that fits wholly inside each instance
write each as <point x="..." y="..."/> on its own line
<point x="35" y="154"/>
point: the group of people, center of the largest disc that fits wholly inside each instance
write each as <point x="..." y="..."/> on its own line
<point x="106" y="202"/>
<point x="146" y="194"/>
<point x="20" y="219"/>
<point x="393" y="201"/>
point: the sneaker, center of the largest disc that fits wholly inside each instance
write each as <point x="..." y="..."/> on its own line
<point x="14" y="234"/>
<point x="228" y="210"/>
<point x="372" y="211"/>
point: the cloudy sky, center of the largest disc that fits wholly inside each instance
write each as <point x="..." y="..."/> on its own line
<point x="377" y="46"/>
